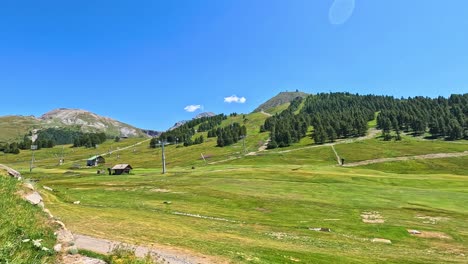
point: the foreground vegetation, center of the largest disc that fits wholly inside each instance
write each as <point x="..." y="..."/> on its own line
<point x="20" y="225"/>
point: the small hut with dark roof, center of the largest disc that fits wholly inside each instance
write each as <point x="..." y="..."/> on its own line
<point x="120" y="169"/>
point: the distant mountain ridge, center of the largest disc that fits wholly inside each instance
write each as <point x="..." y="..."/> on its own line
<point x="14" y="127"/>
<point x="281" y="98"/>
<point x="89" y="122"/>
<point x="181" y="123"/>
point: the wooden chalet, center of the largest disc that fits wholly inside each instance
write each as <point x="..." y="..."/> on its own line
<point x="95" y="160"/>
<point x="120" y="169"/>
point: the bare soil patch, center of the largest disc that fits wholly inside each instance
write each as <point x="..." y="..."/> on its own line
<point x="418" y="157"/>
<point x="372" y="217"/>
<point x="431" y="234"/>
<point x="432" y="219"/>
<point x="161" y="253"/>
<point x="160" y="190"/>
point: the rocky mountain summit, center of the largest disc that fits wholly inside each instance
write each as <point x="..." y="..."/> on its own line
<point x="89" y="122"/>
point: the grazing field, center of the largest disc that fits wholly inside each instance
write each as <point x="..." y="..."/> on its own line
<point x="266" y="206"/>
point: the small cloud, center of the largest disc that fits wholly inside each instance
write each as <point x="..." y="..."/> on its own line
<point x="192" y="108"/>
<point x="234" y="99"/>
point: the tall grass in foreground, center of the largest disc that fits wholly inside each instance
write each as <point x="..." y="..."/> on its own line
<point x="21" y="224"/>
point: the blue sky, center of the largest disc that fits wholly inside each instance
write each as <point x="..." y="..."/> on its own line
<point x="144" y="62"/>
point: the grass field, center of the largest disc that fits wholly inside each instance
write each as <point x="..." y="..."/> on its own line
<point x="260" y="208"/>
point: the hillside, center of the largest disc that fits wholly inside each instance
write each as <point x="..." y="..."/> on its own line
<point x="182" y="122"/>
<point x="89" y="122"/>
<point x="280" y="99"/>
<point x="297" y="203"/>
<point x="274" y="199"/>
<point x="14" y="127"/>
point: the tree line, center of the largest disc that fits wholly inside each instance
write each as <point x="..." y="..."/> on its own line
<point x="344" y="115"/>
<point x="50" y="137"/>
<point x="228" y="135"/>
<point x="439" y="117"/>
<point x="286" y="127"/>
<point x="185" y="132"/>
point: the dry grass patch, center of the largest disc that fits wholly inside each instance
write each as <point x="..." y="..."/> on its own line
<point x="372" y="217"/>
<point x="432" y="219"/>
<point x="430" y="234"/>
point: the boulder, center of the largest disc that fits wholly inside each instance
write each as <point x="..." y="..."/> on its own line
<point x="29" y="186"/>
<point x="76" y="202"/>
<point x="34" y="198"/>
<point x="381" y="240"/>
<point x="58" y="248"/>
<point x="65" y="237"/>
<point x="60" y="223"/>
<point x="48" y="188"/>
<point x="414" y="232"/>
<point x="88" y="260"/>
<point x="48" y="213"/>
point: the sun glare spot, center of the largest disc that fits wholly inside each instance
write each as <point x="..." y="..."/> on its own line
<point x="340" y="11"/>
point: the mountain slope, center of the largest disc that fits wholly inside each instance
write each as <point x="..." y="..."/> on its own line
<point x="181" y="123"/>
<point x="280" y="99"/>
<point x="89" y="122"/>
<point x="14" y="127"/>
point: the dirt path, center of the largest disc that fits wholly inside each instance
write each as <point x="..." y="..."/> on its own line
<point x="336" y="154"/>
<point x="370" y="134"/>
<point x="127" y="147"/>
<point x="418" y="157"/>
<point x="265" y="113"/>
<point x="160" y="253"/>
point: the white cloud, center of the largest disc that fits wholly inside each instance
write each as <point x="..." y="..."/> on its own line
<point x="192" y="108"/>
<point x="234" y="99"/>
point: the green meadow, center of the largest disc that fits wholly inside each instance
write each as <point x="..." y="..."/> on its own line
<point x="263" y="207"/>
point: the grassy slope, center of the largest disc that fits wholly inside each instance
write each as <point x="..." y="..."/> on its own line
<point x="272" y="206"/>
<point x="19" y="220"/>
<point x="377" y="148"/>
<point x="13" y="128"/>
<point x="280" y="99"/>
<point x="269" y="200"/>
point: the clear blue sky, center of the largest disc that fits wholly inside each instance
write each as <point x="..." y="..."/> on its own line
<point x="143" y="62"/>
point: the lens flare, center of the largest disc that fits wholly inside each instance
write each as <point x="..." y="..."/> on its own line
<point x="340" y="11"/>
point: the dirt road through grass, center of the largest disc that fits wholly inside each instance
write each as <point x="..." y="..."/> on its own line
<point x="162" y="254"/>
<point x="418" y="157"/>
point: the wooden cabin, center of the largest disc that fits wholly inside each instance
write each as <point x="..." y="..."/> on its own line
<point x="95" y="160"/>
<point x="120" y="169"/>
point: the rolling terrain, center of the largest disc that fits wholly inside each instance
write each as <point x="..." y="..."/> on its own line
<point x="13" y="128"/>
<point x="246" y="204"/>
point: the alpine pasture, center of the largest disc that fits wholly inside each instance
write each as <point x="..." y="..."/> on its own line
<point x="249" y="205"/>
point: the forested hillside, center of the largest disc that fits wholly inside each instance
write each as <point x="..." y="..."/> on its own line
<point x="184" y="133"/>
<point x="344" y="115"/>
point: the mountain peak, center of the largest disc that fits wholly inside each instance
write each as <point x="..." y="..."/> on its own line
<point x="63" y="112"/>
<point x="279" y="99"/>
<point x="204" y="114"/>
<point x="89" y="122"/>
